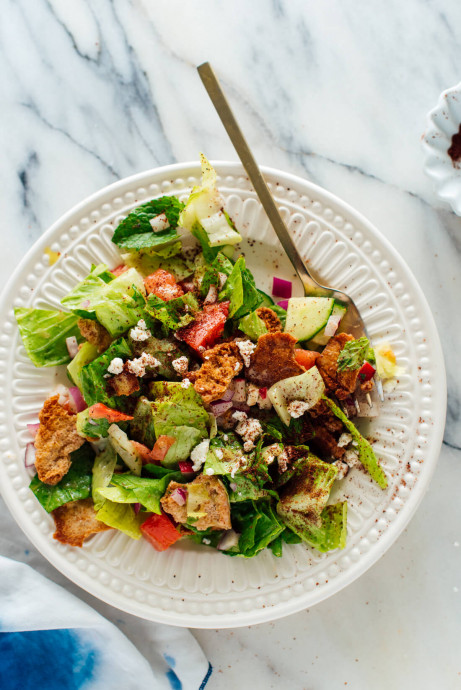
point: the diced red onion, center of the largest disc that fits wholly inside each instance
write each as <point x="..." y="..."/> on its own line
<point x="77" y="397"/>
<point x="239" y="391"/>
<point x="228" y="540"/>
<point x="85" y="304"/>
<point x="220" y="407"/>
<point x="263" y="393"/>
<point x="233" y="486"/>
<point x="137" y="508"/>
<point x="283" y="303"/>
<point x="212" y="295"/>
<point x="241" y="406"/>
<point x="227" y="395"/>
<point x="29" y="455"/>
<point x="282" y="288"/>
<point x="186" y="467"/>
<point x="63" y="394"/>
<point x="72" y="346"/>
<point x="179" y="496"/>
<point x="332" y="325"/>
<point x="33" y="429"/>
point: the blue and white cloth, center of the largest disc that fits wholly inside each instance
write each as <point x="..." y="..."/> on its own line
<point x="51" y="640"/>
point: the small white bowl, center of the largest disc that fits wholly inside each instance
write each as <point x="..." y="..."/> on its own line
<point x="443" y="122"/>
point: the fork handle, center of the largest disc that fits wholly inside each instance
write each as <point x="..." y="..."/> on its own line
<point x="215" y="92"/>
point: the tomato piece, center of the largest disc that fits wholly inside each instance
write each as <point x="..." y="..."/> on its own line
<point x="306" y="358"/>
<point x="143" y="452"/>
<point x="161" y="447"/>
<point x="118" y="270"/>
<point x="101" y="411"/>
<point x="160" y="532"/>
<point x="207" y="327"/>
<point x="367" y="371"/>
<point x="163" y="284"/>
<point x="186" y="467"/>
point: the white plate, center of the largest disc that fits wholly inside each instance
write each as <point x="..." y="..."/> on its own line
<point x="191" y="585"/>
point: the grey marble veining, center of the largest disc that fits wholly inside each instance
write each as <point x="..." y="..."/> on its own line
<point x="336" y="92"/>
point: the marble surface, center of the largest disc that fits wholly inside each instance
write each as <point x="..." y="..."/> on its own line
<point x="336" y="92"/>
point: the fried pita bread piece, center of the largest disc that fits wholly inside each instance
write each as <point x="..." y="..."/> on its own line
<point x="270" y="318"/>
<point x="122" y="384"/>
<point x="341" y="383"/>
<point x="214" y="502"/>
<point x="273" y="359"/>
<point x="56" y="439"/>
<point x="94" y="333"/>
<point x="221" y="364"/>
<point x="76" y="521"/>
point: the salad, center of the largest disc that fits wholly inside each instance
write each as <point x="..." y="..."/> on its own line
<point x="197" y="407"/>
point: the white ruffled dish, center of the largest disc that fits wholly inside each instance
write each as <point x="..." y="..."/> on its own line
<point x="443" y="122"/>
<point x="192" y="585"/>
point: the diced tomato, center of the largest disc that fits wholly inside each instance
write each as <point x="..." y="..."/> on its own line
<point x="366" y="372"/>
<point x="161" y="447"/>
<point x="207" y="327"/>
<point x="101" y="411"/>
<point x="306" y="358"/>
<point x="163" y="284"/>
<point x="186" y="467"/>
<point x="263" y="393"/>
<point x="143" y="452"/>
<point x="118" y="270"/>
<point x="160" y="532"/>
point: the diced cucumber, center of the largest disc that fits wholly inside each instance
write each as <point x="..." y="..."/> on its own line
<point x="267" y="301"/>
<point x="320" y="338"/>
<point x="84" y="356"/>
<point x="307" y="387"/>
<point x="306" y="316"/>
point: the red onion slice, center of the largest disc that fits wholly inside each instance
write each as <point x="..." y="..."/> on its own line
<point x="283" y="303"/>
<point x="227" y="395"/>
<point x="239" y="391"/>
<point x="137" y="508"/>
<point x="72" y="346"/>
<point x="228" y="540"/>
<point x="77" y="397"/>
<point x="29" y="455"/>
<point x="212" y="295"/>
<point x="282" y="288"/>
<point x="332" y="325"/>
<point x="33" y="429"/>
<point x="241" y="406"/>
<point x="220" y="407"/>
<point x="179" y="496"/>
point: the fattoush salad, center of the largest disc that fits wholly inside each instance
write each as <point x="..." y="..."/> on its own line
<point x="198" y="407"/>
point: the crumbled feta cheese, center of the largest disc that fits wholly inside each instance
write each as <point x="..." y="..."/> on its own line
<point x="297" y="408"/>
<point x="138" y="366"/>
<point x="237" y="367"/>
<point x="140" y="332"/>
<point x="239" y="416"/>
<point x="180" y="365"/>
<point x="225" y="437"/>
<point x="185" y="383"/>
<point x="248" y="428"/>
<point x="219" y="454"/>
<point x="283" y="461"/>
<point x="344" y="440"/>
<point x="209" y="471"/>
<point x="222" y="280"/>
<point x="351" y="457"/>
<point x="198" y="454"/>
<point x="212" y="295"/>
<point x="252" y="394"/>
<point x="264" y="403"/>
<point x="272" y="452"/>
<point x="206" y="541"/>
<point x="246" y="348"/>
<point x="116" y="366"/>
<point x="342" y="467"/>
<point x="159" y="223"/>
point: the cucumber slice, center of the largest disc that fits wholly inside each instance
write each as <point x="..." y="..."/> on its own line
<point x="320" y="338"/>
<point x="307" y="387"/>
<point x="267" y="301"/>
<point x="306" y="316"/>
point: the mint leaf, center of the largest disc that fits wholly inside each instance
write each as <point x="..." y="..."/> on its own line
<point x="135" y="231"/>
<point x="353" y="354"/>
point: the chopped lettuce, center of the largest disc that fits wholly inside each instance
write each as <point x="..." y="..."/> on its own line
<point x="175" y="313"/>
<point x="203" y="214"/>
<point x="103" y="469"/>
<point x="364" y="450"/>
<point x="147" y="262"/>
<point x="258" y="526"/>
<point x="208" y="275"/>
<point x="123" y="303"/>
<point x="241" y="290"/>
<point x="127" y="488"/>
<point x="76" y="484"/>
<point x="90" y="292"/>
<point x="44" y="334"/>
<point x="166" y="350"/>
<point x="121" y="516"/>
<point x="243" y="488"/>
<point x="253" y="326"/>
<point x="142" y="427"/>
<point x="328" y="532"/>
<point x="225" y="455"/>
<point x="92" y="428"/>
<point x="93" y="383"/>
<point x="136" y="232"/>
<point x="84" y="356"/>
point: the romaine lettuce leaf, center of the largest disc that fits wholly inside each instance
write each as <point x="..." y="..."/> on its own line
<point x="127" y="488"/>
<point x="84" y="356"/>
<point x="328" y="532"/>
<point x="175" y="313"/>
<point x="93" y="383"/>
<point x="142" y="426"/>
<point x="123" y="303"/>
<point x="364" y="450"/>
<point x="243" y="488"/>
<point x="166" y="350"/>
<point x="225" y="455"/>
<point x="147" y="262"/>
<point x="94" y="428"/>
<point x="44" y="334"/>
<point x="74" y="485"/>
<point x="103" y="469"/>
<point x="253" y="326"/>
<point x="241" y="290"/>
<point x="135" y="231"/>
<point x="121" y="516"/>
<point x="209" y="275"/>
<point x="308" y="490"/>
<point x="90" y="292"/>
<point x="257" y="524"/>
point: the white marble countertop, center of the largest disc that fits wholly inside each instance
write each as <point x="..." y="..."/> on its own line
<point x="336" y="92"/>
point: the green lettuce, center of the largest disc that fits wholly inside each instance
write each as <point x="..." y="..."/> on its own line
<point x="364" y="450"/>
<point x="165" y="350"/>
<point x="123" y="304"/>
<point x="208" y="275"/>
<point x="135" y="231"/>
<point x="147" y="262"/>
<point x="93" y="383"/>
<point x="103" y="469"/>
<point x="258" y="526"/>
<point x="76" y="484"/>
<point x="44" y="334"/>
<point x="84" y="356"/>
<point x="142" y="425"/>
<point x="241" y="290"/>
<point x="175" y="313"/>
<point x="121" y="516"/>
<point x="127" y="488"/>
<point x="243" y="488"/>
<point x="90" y="292"/>
<point x="253" y="326"/>
<point x="327" y="532"/>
